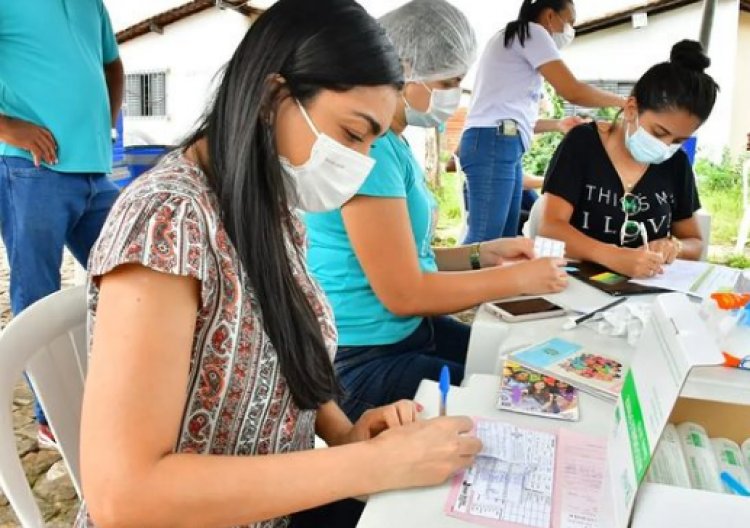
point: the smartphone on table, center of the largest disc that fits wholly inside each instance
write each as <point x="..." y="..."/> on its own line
<point x="518" y="310"/>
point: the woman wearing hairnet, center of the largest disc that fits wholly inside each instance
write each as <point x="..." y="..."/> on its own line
<point x="389" y="288"/>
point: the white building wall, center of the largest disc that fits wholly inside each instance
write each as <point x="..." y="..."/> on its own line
<point x="624" y="53"/>
<point x="191" y="51"/>
<point x="741" y="121"/>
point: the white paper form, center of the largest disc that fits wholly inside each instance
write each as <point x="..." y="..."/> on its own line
<point x="548" y="247"/>
<point x="699" y="279"/>
<point x="511" y="480"/>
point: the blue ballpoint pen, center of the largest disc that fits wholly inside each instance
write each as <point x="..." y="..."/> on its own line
<point x="732" y="483"/>
<point x="445" y="385"/>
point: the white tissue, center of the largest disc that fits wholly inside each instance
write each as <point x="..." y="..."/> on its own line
<point x="626" y="320"/>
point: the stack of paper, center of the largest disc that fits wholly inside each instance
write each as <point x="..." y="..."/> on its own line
<point x="531" y="478"/>
<point x="699" y="279"/>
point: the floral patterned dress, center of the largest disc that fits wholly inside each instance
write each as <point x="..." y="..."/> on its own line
<point x="238" y="400"/>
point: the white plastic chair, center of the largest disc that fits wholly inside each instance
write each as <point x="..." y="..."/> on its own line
<point x="744" y="230"/>
<point x="531" y="227"/>
<point x="48" y="341"/>
<point x="464" y="217"/>
<point x="704" y="224"/>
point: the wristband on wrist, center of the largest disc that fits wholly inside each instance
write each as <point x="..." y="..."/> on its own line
<point x="474" y="256"/>
<point x="677" y="244"/>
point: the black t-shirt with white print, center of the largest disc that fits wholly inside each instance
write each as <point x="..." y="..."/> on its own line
<point x="582" y="174"/>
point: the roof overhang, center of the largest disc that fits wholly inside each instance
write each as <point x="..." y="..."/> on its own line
<point x="624" y="16"/>
<point x="157" y="23"/>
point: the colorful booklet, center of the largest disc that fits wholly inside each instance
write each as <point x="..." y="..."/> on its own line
<point x="590" y="371"/>
<point x="525" y="391"/>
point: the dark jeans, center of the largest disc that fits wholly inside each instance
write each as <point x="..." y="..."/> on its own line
<point x="41" y="211"/>
<point x="373" y="376"/>
<point x="494" y="173"/>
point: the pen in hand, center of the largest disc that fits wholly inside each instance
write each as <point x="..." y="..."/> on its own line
<point x="445" y="385"/>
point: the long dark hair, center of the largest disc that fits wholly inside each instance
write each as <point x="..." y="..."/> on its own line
<point x="680" y="84"/>
<point x="530" y="12"/>
<point x="329" y="44"/>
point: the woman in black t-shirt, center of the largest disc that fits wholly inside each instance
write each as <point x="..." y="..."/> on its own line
<point x="623" y="194"/>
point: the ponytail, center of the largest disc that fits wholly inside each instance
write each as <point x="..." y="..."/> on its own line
<point x="530" y="12"/>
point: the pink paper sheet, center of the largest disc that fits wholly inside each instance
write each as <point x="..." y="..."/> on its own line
<point x="579" y="479"/>
<point x="580" y="462"/>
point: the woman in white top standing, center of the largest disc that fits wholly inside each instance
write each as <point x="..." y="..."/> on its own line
<point x="505" y="106"/>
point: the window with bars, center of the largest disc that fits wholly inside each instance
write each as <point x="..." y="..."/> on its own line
<point x="623" y="88"/>
<point x="146" y="94"/>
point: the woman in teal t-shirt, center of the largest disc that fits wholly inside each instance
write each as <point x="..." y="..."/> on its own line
<point x="390" y="290"/>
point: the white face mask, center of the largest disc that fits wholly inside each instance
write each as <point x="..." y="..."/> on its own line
<point x="332" y="175"/>
<point x="565" y="38"/>
<point x="645" y="148"/>
<point x="443" y="104"/>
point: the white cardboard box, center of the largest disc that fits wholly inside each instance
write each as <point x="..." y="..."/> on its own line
<point x="673" y="344"/>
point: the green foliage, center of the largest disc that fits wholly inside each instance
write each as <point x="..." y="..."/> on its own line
<point x="557" y="110"/>
<point x="738" y="261"/>
<point x="448" y="196"/>
<point x="720" y="189"/>
<point x="606" y="114"/>
<point x="723" y="176"/>
<point x="540" y="154"/>
<point x="536" y="160"/>
<point x="733" y="261"/>
<point x="725" y="207"/>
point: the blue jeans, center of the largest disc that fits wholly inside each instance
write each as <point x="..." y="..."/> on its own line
<point x="41" y="211"/>
<point x="372" y="376"/>
<point x="494" y="173"/>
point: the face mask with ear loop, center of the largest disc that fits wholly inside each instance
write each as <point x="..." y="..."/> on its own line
<point x="565" y="38"/>
<point x="330" y="177"/>
<point x="443" y="104"/>
<point x="645" y="148"/>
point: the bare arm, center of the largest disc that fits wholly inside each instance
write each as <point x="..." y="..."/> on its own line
<point x="685" y="243"/>
<point x="136" y="383"/>
<point x="389" y="259"/>
<point x="575" y="91"/>
<point x="115" y="77"/>
<point x="558" y="125"/>
<point x="689" y="234"/>
<point x="532" y="182"/>
<point x="543" y="126"/>
<point x="491" y="253"/>
<point x="37" y="140"/>
<point x="556" y="224"/>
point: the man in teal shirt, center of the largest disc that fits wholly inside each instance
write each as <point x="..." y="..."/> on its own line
<point x="61" y="83"/>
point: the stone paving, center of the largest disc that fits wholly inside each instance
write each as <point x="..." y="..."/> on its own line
<point x="44" y="468"/>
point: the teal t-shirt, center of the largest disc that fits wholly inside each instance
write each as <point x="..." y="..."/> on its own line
<point x="52" y="57"/>
<point x="361" y="318"/>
